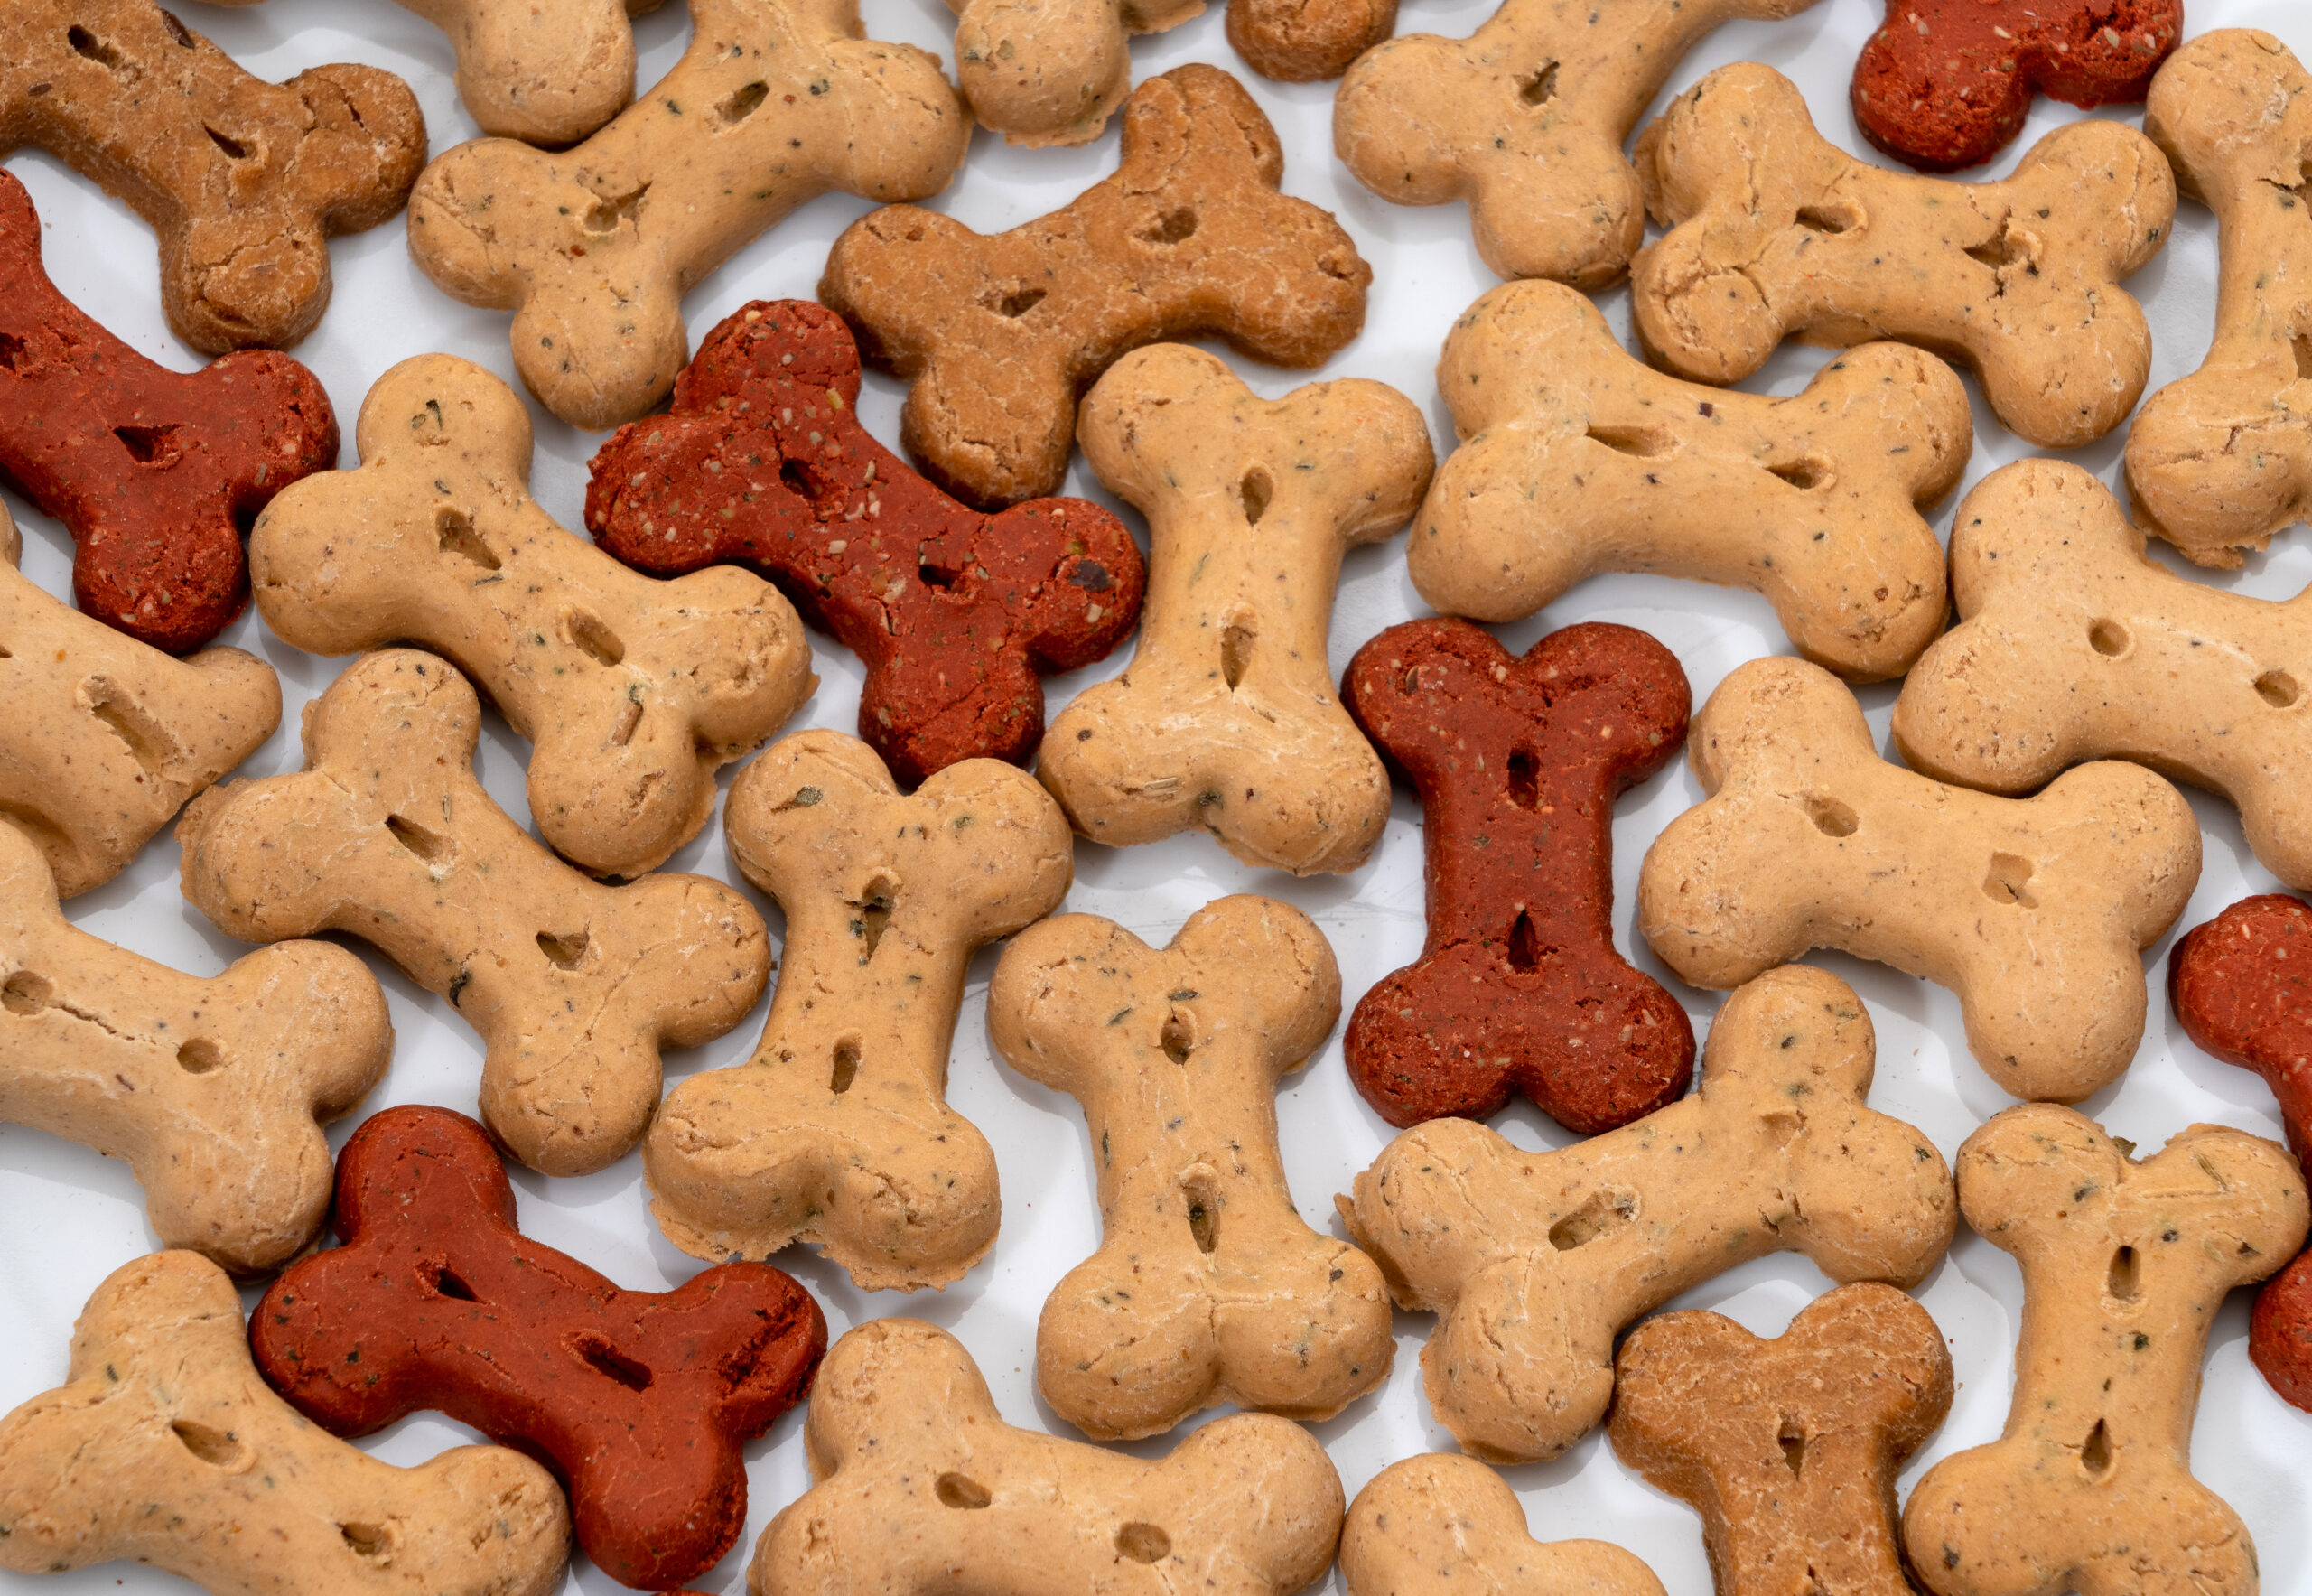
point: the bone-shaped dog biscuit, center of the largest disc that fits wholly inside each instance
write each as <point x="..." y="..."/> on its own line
<point x="838" y="1132"/>
<point x="1439" y="1525"/>
<point x="1578" y="459"/>
<point x="1775" y="231"/>
<point x="1533" y="1261"/>
<point x="387" y="835"/>
<point x="2090" y="1487"/>
<point x="2033" y="910"/>
<point x="634" y="692"/>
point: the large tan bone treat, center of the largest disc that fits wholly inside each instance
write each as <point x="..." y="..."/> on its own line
<point x="1439" y="1525"/>
<point x="1533" y="1261"/>
<point x="838" y="1132"/>
<point x="2125" y="1264"/>
<point x="166" y="1447"/>
<point x="1002" y="334"/>
<point x="1775" y="232"/>
<point x="633" y="691"/>
<point x="1227" y="719"/>
<point x="923" y="1490"/>
<point x="1209" y="1287"/>
<point x="775" y="102"/>
<point x="2034" y="912"/>
<point x="387" y="835"/>
<point x="1577" y="460"/>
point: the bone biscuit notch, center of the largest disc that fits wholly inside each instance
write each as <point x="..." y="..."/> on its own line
<point x="1439" y="1524"/>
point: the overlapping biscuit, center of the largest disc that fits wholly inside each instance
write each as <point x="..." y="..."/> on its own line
<point x="545" y="76"/>
<point x="1439" y="1525"/>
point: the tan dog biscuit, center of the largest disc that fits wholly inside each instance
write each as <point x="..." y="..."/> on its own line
<point x="1227" y="719"/>
<point x="387" y="835"/>
<point x="546" y="75"/>
<point x="1209" y="1287"/>
<point x="2125" y="1264"/>
<point x="838" y="1132"/>
<point x="775" y="102"/>
<point x="2034" y="912"/>
<point x="1439" y="1525"/>
<point x="1775" y="231"/>
<point x="1001" y="334"/>
<point x="1533" y="1261"/>
<point x="1577" y="460"/>
<point x="633" y="691"/>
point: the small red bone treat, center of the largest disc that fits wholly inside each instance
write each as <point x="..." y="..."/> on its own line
<point x="762" y="462"/>
<point x="640" y="1400"/>
<point x="1518" y="762"/>
<point x="156" y="473"/>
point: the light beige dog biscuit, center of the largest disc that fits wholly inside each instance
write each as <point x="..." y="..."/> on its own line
<point x="2090" y="1487"/>
<point x="634" y="691"/>
<point x="1439" y="1525"/>
<point x="1227" y="718"/>
<point x="387" y="835"/>
<point x="1775" y="231"/>
<point x="1577" y="460"/>
<point x="2033" y="911"/>
<point x="1533" y="1261"/>
<point x="543" y="74"/>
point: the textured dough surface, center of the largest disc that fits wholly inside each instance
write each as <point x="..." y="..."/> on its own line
<point x="1439" y="1524"/>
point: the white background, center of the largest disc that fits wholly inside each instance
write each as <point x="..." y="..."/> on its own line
<point x="72" y="1217"/>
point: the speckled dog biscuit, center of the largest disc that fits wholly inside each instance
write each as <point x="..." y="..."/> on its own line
<point x="1226" y="719"/>
<point x="1439" y="1525"/>
<point x="2090" y="1487"/>
<point x="1526" y="120"/>
<point x="543" y="74"/>
<point x="1188" y="237"/>
<point x="1788" y="1448"/>
<point x="776" y="102"/>
<point x="1209" y="1287"/>
<point x="1577" y="460"/>
<point x="2034" y="912"/>
<point x="633" y="691"/>
<point x="922" y="1488"/>
<point x="1775" y="231"/>
<point x="1533" y="1261"/>
<point x="387" y="835"/>
<point x="838" y="1132"/>
<point x="166" y="1448"/>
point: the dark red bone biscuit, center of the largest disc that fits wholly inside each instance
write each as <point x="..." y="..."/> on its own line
<point x="640" y="1400"/>
<point x="1946" y="83"/>
<point x="154" y="472"/>
<point x="763" y="460"/>
<point x="1518" y="762"/>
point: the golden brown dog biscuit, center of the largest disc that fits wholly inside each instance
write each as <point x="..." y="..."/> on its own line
<point x="2034" y="912"/>
<point x="837" y="1130"/>
<point x="1440" y="1525"/>
<point x="387" y="835"/>
<point x="1533" y="1261"/>
<point x="546" y="75"/>
<point x="1775" y="231"/>
<point x="2124" y="1265"/>
<point x="1577" y="460"/>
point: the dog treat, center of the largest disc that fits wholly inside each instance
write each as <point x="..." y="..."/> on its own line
<point x="776" y="102"/>
<point x="1578" y="459"/>
<point x="1209" y="1287"/>
<point x="1188" y="237"/>
<point x="386" y="834"/>
<point x="1518" y="762"/>
<point x="543" y="76"/>
<point x="1227" y="720"/>
<point x="2124" y="1265"/>
<point x="1533" y="1261"/>
<point x="1440" y="1525"/>
<point x="2034" y="912"/>
<point x="1775" y="232"/>
<point x="922" y="1488"/>
<point x="638" y="1399"/>
<point x="763" y="460"/>
<point x="166" y="1447"/>
<point x="838" y="1132"/>
<point x="2219" y="461"/>
<point x="1788" y="1448"/>
<point x="632" y="692"/>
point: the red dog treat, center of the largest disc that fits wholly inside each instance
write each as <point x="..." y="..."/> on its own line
<point x="640" y="1399"/>
<point x="156" y="473"/>
<point x="1946" y="83"/>
<point x="762" y="462"/>
<point x="1518" y="762"/>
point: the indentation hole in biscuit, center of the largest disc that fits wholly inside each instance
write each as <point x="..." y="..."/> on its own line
<point x="2010" y="881"/>
<point x="1824" y="219"/>
<point x="2108" y="639"/>
<point x="603" y="1358"/>
<point x="430" y="846"/>
<point x="235" y="150"/>
<point x="604" y="215"/>
<point x="1603" y="1211"/>
<point x="455" y="530"/>
<point x="2000" y="250"/>
<point x="1831" y="818"/>
<point x="367" y="1540"/>
<point x="1178" y="1037"/>
<point x="629" y="715"/>
<point x="846" y="1065"/>
<point x="1524" y="947"/>
<point x="220" y="1449"/>
<point x="1524" y="780"/>
<point x="1791" y="1439"/>
<point x="874" y="907"/>
<point x="447" y="1283"/>
<point x="85" y="43"/>
<point x="2124" y="1282"/>
<point x="740" y="103"/>
<point x="1143" y="1543"/>
<point x="1645" y="443"/>
<point x="1174" y="226"/>
<point x="2095" y="1451"/>
<point x="1012" y="298"/>
<point x="2302" y="345"/>
<point x="2278" y="689"/>
<point x="25" y="993"/>
<point x="1805" y="475"/>
<point x="149" y="742"/>
<point x="961" y="1490"/>
<point x="149" y="445"/>
<point x="935" y="575"/>
<point x="199" y="1056"/>
<point x="596" y="639"/>
<point x="1539" y="88"/>
<point x="563" y="949"/>
<point x="1256" y="489"/>
<point x="1236" y="653"/>
<point x="1203" y="1207"/>
<point x="12" y="352"/>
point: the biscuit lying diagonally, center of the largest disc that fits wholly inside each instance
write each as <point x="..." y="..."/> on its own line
<point x="1440" y="1525"/>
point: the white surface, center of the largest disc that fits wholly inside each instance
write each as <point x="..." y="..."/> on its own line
<point x="73" y="1216"/>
